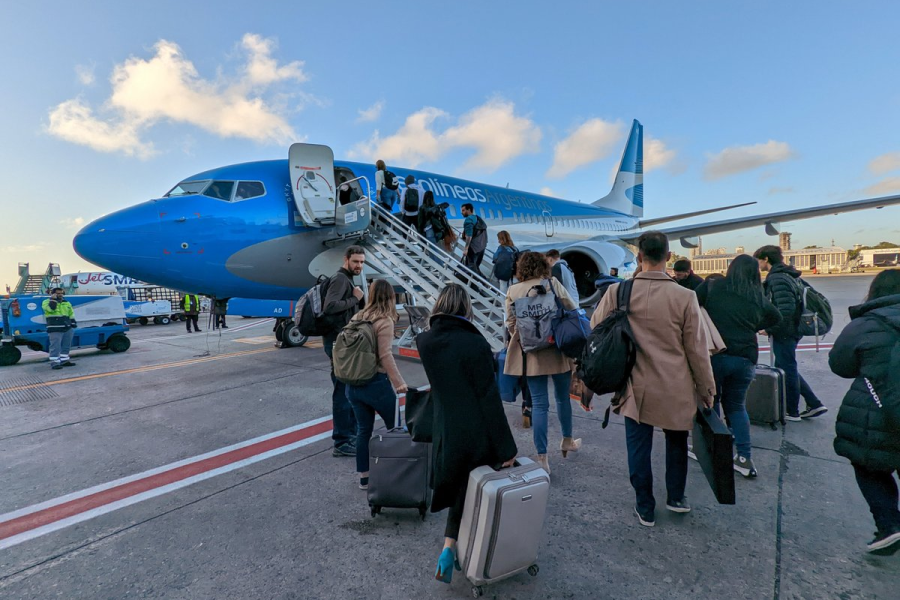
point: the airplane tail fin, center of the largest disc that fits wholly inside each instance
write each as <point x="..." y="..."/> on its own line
<point x="627" y="194"/>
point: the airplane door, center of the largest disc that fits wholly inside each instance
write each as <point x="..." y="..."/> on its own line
<point x="312" y="182"/>
<point x="549" y="225"/>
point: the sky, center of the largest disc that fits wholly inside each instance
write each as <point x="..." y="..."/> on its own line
<point x="784" y="104"/>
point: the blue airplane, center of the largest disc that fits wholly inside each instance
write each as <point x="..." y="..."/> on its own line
<point x="262" y="229"/>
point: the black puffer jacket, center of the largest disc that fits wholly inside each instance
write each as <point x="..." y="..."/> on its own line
<point x="865" y="434"/>
<point x="783" y="289"/>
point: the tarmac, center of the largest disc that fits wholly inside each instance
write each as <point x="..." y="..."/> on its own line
<point x="199" y="466"/>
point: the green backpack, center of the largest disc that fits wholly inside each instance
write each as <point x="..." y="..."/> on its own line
<point x="355" y="353"/>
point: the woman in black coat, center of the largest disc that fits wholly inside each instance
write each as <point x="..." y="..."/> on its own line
<point x="868" y="423"/>
<point x="470" y="426"/>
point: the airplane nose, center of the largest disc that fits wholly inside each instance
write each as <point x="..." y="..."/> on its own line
<point x="123" y="242"/>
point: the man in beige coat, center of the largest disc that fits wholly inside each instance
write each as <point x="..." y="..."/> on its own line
<point x="671" y="376"/>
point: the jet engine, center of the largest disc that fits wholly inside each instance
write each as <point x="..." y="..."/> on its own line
<point x="588" y="259"/>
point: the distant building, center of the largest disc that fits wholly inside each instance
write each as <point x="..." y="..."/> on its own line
<point x="739" y="250"/>
<point x="879" y="257"/>
<point x="824" y="260"/>
<point x="784" y="240"/>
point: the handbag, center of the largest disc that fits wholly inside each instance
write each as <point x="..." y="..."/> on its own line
<point x="580" y="392"/>
<point x="713" y="444"/>
<point x="420" y="414"/>
<point x="715" y="342"/>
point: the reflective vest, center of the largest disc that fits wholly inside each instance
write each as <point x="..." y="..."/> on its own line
<point x="191" y="303"/>
<point x="59" y="318"/>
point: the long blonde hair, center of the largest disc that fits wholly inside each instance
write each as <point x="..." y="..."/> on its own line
<point x="504" y="238"/>
<point x="382" y="302"/>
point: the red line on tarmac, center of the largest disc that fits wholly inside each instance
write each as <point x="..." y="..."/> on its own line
<point x="126" y="490"/>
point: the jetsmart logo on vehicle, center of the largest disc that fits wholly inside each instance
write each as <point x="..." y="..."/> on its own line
<point x="469" y="194"/>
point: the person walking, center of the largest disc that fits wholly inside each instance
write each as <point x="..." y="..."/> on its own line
<point x="475" y="235"/>
<point x="505" y="259"/>
<point x="342" y="300"/>
<point x="385" y="186"/>
<point x="739" y="309"/>
<point x="868" y="422"/>
<point x="410" y="201"/>
<point x="560" y="269"/>
<point x="430" y="224"/>
<point x="671" y="376"/>
<point x="380" y="394"/>
<point x="541" y="366"/>
<point x="190" y="306"/>
<point x="783" y="289"/>
<point x="470" y="426"/>
<point x="60" y="319"/>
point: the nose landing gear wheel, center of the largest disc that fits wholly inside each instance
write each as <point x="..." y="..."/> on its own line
<point x="291" y="336"/>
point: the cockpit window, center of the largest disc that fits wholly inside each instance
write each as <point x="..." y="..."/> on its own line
<point x="220" y="190"/>
<point x="187" y="188"/>
<point x="249" y="189"/>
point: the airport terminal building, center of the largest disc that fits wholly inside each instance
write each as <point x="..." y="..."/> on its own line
<point x="822" y="260"/>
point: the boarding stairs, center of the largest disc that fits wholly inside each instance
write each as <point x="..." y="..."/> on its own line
<point x="36" y="285"/>
<point x="400" y="254"/>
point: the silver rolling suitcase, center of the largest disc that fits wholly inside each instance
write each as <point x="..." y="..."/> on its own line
<point x="502" y="522"/>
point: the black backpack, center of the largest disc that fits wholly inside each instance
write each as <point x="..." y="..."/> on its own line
<point x="611" y="349"/>
<point x="411" y="200"/>
<point x="815" y="312"/>
<point x="439" y="223"/>
<point x="310" y="309"/>
<point x="505" y="263"/>
<point x="390" y="180"/>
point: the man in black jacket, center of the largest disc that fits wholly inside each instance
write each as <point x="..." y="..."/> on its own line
<point x="342" y="300"/>
<point x="685" y="275"/>
<point x="783" y="290"/>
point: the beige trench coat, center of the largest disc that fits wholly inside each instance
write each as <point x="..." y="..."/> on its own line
<point x="673" y="373"/>
<point x="548" y="361"/>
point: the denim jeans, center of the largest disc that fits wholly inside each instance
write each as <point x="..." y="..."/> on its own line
<point x="733" y="376"/>
<point x="389" y="198"/>
<point x="377" y="396"/>
<point x="344" y="428"/>
<point x="785" y="351"/>
<point x="879" y="488"/>
<point x="540" y="400"/>
<point x="639" y="440"/>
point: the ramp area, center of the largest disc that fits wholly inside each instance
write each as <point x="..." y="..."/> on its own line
<point x="271" y="514"/>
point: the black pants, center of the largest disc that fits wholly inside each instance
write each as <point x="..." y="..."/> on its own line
<point x="188" y="319"/>
<point x="412" y="221"/>
<point x="454" y="516"/>
<point x="473" y="259"/>
<point x="879" y="488"/>
<point x="639" y="439"/>
<point x="344" y="421"/>
<point x="220" y="321"/>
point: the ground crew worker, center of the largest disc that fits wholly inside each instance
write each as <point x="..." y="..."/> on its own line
<point x="190" y="304"/>
<point x="60" y="326"/>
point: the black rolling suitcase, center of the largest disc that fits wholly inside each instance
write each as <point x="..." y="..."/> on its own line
<point x="765" y="397"/>
<point x="399" y="470"/>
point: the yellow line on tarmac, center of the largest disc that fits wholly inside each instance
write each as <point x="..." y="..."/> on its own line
<point x="182" y="363"/>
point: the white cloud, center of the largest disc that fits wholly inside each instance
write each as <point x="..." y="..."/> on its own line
<point x="659" y="156"/>
<point x="546" y="191"/>
<point x="885" y="187"/>
<point x="590" y="142"/>
<point x="496" y="133"/>
<point x="85" y="74"/>
<point x="737" y="159"/>
<point x="370" y="114"/>
<point x="75" y="122"/>
<point x="494" y="130"/>
<point x="72" y="223"/>
<point x="168" y="87"/>
<point x="885" y="163"/>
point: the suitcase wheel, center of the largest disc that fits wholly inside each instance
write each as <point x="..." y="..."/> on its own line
<point x="422" y="512"/>
<point x="376" y="510"/>
<point x="477" y="591"/>
<point x="533" y="570"/>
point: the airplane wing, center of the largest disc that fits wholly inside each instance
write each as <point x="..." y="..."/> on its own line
<point x="685" y="232"/>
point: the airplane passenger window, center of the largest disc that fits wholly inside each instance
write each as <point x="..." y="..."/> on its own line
<point x="249" y="189"/>
<point x="220" y="190"/>
<point x="186" y="188"/>
<point x="491" y="212"/>
<point x="452" y="211"/>
<point x="483" y="214"/>
<point x="499" y="214"/>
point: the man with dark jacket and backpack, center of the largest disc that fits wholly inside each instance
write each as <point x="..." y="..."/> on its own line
<point x="342" y="300"/>
<point x="782" y="286"/>
<point x="475" y="234"/>
<point x="410" y="200"/>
